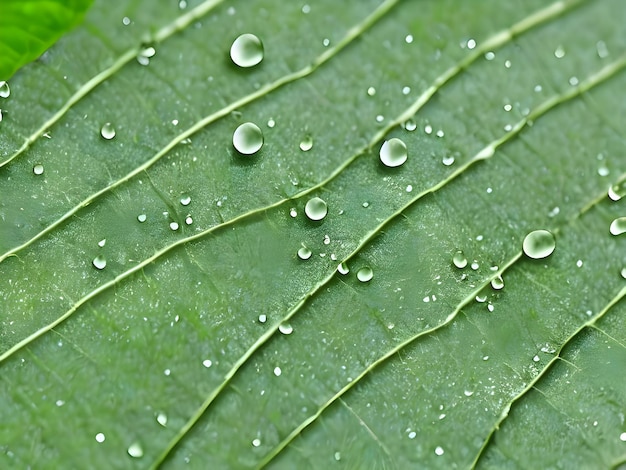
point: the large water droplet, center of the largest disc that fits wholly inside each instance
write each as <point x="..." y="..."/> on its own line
<point x="248" y="138"/>
<point x="38" y="169"/>
<point x="5" y="91"/>
<point x="618" y="226"/>
<point x="459" y="259"/>
<point x="316" y="209"/>
<point x="304" y="253"/>
<point x="617" y="191"/>
<point x="99" y="262"/>
<point x="247" y="50"/>
<point x="393" y="152"/>
<point x="108" y="131"/>
<point x="135" y="450"/>
<point x="539" y="244"/>
<point x="306" y="143"/>
<point x="365" y="274"/>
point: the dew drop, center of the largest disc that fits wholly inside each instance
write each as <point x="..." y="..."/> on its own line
<point x="248" y="138"/>
<point x="406" y="90"/>
<point x="262" y="318"/>
<point x="304" y="253"/>
<point x="602" y="50"/>
<point x="185" y="200"/>
<point x="468" y="393"/>
<point x="408" y="39"/>
<point x="285" y="328"/>
<point x="490" y="55"/>
<point x="410" y="125"/>
<point x="409" y="188"/>
<point x="135" y="450"/>
<point x="188" y="220"/>
<point x="539" y="244"/>
<point x="393" y="152"/>
<point x="622" y="437"/>
<point x="623" y="273"/>
<point x="439" y="450"/>
<point x="474" y="265"/>
<point x="316" y="209"/>
<point x="412" y="435"/>
<point x="277" y="371"/>
<point x="365" y="274"/>
<point x="174" y="226"/>
<point x="271" y="123"/>
<point x="162" y="419"/>
<point x="207" y="363"/>
<point x="559" y="52"/>
<point x="99" y="262"/>
<point x="256" y="442"/>
<point x="579" y="263"/>
<point x="326" y="42"/>
<point x="497" y="283"/>
<point x="100" y="437"/>
<point x="481" y="298"/>
<point x="126" y="21"/>
<point x="617" y="191"/>
<point x="337" y="456"/>
<point x="448" y="160"/>
<point x="344" y="269"/>
<point x="371" y="91"/>
<point x="459" y="259"/>
<point x="142" y="218"/>
<point x="5" y="91"/>
<point x="428" y="129"/>
<point x="102" y="242"/>
<point x="618" y="226"/>
<point x="293" y="212"/>
<point x="108" y="131"/>
<point x="38" y="169"/>
<point x="247" y="50"/>
<point x="306" y="143"/>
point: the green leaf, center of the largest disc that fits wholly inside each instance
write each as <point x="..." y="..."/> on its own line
<point x="28" y="28"/>
<point x="155" y="310"/>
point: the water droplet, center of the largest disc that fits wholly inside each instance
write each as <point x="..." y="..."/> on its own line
<point x="343" y="268"/>
<point x="256" y="442"/>
<point x="393" y="152"/>
<point x="102" y="242"/>
<point x="188" y="220"/>
<point x="326" y="42"/>
<point x="306" y="9"/>
<point x="471" y="44"/>
<point x="623" y="273"/>
<point x="277" y="371"/>
<point x="142" y="218"/>
<point x="207" y="363"/>
<point x="126" y="21"/>
<point x="497" y="283"/>
<point x="293" y="212"/>
<point x="579" y="263"/>
<point x="617" y="191"/>
<point x="271" y="123"/>
<point x="536" y="358"/>
<point x="409" y="188"/>
<point x="448" y="160"/>
<point x="108" y="131"/>
<point x="406" y="90"/>
<point x="410" y="125"/>
<point x="5" y="91"/>
<point x="365" y="274"/>
<point x="622" y="437"/>
<point x="248" y="138"/>
<point x="474" y="265"/>
<point x="182" y="4"/>
<point x="468" y="393"/>
<point x="573" y="81"/>
<point x="306" y="143"/>
<point x="185" y="200"/>
<point x="247" y="50"/>
<point x="481" y="298"/>
<point x="262" y="318"/>
<point x="100" y="437"/>
<point x="285" y="328"/>
<point x="380" y="118"/>
<point x="490" y="55"/>
<point x="326" y="240"/>
<point x="602" y="50"/>
<point x="559" y="52"/>
<point x="167" y="372"/>
<point x="174" y="226"/>
<point x="412" y="435"/>
<point x="428" y="129"/>
<point x="304" y="253"/>
<point x="162" y="419"/>
<point x="459" y="259"/>
<point x="439" y="450"/>
<point x="316" y="209"/>
<point x="38" y="169"/>
<point x="99" y="262"/>
<point x="366" y="204"/>
<point x="135" y="450"/>
<point x="408" y="39"/>
<point x="618" y="226"/>
<point x="440" y="133"/>
<point x="507" y="64"/>
<point x="337" y="456"/>
<point x="539" y="244"/>
<point x="371" y="91"/>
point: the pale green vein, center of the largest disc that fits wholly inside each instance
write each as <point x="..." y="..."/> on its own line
<point x="351" y="34"/>
<point x="487" y="152"/>
<point x="372" y="434"/>
<point x="506" y="410"/>
<point x="177" y="25"/>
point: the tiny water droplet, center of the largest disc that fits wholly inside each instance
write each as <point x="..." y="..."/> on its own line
<point x="474" y="265"/>
<point x="126" y="21"/>
<point x="188" y="220"/>
<point x="618" y="226"/>
<point x="617" y="191"/>
<point x="99" y="262"/>
<point x="536" y="358"/>
<point x="602" y="50"/>
<point x="490" y="55"/>
<point x="393" y="152"/>
<point x="539" y="244"/>
<point x="380" y="118"/>
<point x="262" y="318"/>
<point x="100" y="437"/>
<point x="38" y="169"/>
<point x="337" y="456"/>
<point x="108" y="131"/>
<point x="135" y="450"/>
<point x="162" y="419"/>
<point x="248" y="138"/>
<point x="481" y="298"/>
<point x="285" y="328"/>
<point x="439" y="450"/>
<point x="573" y="81"/>
<point x="5" y="91"/>
<point x="304" y="253"/>
<point x="579" y="263"/>
<point x="365" y="274"/>
<point x="468" y="393"/>
<point x="459" y="259"/>
<point x="271" y="123"/>
<point x="293" y="212"/>
<point x="306" y="143"/>
<point x="406" y="90"/>
<point x="326" y="42"/>
<point x="343" y="268"/>
<point x="316" y="209"/>
<point x="247" y="50"/>
<point x="366" y="204"/>
<point x="448" y="160"/>
<point x="174" y="226"/>
<point x="207" y="363"/>
<point x="410" y="125"/>
<point x="102" y="242"/>
<point x="623" y="273"/>
<point x="428" y="129"/>
<point x="408" y="39"/>
<point x="185" y="200"/>
<point x="277" y="371"/>
<point x="559" y="52"/>
<point x="497" y="283"/>
<point x="409" y="188"/>
<point x="371" y="91"/>
<point x="507" y="64"/>
<point x="142" y="218"/>
<point x="471" y="44"/>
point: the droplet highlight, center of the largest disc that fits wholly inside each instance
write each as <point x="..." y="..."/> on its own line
<point x="38" y="169"/>
<point x="365" y="274"/>
<point x="393" y="153"/>
<point x="539" y="244"/>
<point x="107" y="131"/>
<point x="497" y="283"/>
<point x="618" y="226"/>
<point x="304" y="253"/>
<point x="135" y="450"/>
<point x="248" y="138"/>
<point x="316" y="209"/>
<point x="99" y="262"/>
<point x="5" y="91"/>
<point x="306" y="143"/>
<point x="459" y="259"/>
<point x="343" y="268"/>
<point x="247" y="50"/>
